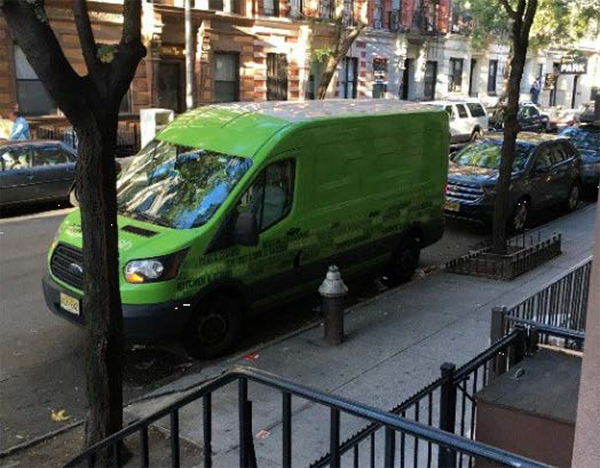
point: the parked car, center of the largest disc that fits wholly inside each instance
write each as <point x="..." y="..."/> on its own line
<point x="468" y="119"/>
<point x="529" y="116"/>
<point x="546" y="170"/>
<point x="562" y="118"/>
<point x="588" y="112"/>
<point x="35" y="171"/>
<point x="250" y="208"/>
<point x="586" y="138"/>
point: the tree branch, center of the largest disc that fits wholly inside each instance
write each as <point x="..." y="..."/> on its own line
<point x="512" y="13"/>
<point x="528" y="20"/>
<point x="86" y="37"/>
<point x="30" y="28"/>
<point x="131" y="50"/>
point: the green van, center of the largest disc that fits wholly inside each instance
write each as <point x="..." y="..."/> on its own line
<point x="240" y="207"/>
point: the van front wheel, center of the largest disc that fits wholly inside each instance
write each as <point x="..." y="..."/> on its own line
<point x="215" y="327"/>
<point x="404" y="262"/>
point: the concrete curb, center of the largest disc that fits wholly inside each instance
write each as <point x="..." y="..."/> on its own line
<point x="38" y="440"/>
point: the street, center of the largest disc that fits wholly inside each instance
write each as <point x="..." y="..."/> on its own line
<point x="42" y="357"/>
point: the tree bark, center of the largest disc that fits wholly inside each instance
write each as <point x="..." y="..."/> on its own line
<point x="91" y="104"/>
<point x="522" y="20"/>
<point x="343" y="40"/>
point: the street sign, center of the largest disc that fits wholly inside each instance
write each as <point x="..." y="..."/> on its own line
<point x="573" y="66"/>
<point x="550" y="81"/>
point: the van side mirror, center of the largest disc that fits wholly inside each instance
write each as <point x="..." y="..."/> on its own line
<point x="245" y="231"/>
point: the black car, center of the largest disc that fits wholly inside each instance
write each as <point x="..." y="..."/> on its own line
<point x="546" y="171"/>
<point x="529" y="117"/>
<point x="586" y="138"/>
<point x="35" y="171"/>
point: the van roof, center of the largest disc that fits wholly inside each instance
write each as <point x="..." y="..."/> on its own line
<point x="242" y="128"/>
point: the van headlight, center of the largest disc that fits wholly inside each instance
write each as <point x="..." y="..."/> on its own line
<point x="150" y="270"/>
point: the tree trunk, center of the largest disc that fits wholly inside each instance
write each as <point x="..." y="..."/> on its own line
<point x="102" y="301"/>
<point x="522" y="20"/>
<point x="331" y="65"/>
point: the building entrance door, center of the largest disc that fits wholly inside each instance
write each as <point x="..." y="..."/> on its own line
<point x="170" y="85"/>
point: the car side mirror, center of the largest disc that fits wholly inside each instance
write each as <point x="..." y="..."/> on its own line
<point x="245" y="231"/>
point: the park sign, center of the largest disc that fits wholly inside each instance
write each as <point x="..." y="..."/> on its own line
<point x="573" y="66"/>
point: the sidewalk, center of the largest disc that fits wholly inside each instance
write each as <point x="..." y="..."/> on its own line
<point x="395" y="345"/>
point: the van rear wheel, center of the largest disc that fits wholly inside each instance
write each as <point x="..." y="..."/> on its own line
<point x="404" y="262"/>
<point x="215" y="327"/>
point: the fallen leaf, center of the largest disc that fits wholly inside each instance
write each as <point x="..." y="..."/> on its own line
<point x="59" y="416"/>
<point x="262" y="434"/>
<point x="251" y="356"/>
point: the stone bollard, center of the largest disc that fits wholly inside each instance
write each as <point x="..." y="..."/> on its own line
<point x="333" y="290"/>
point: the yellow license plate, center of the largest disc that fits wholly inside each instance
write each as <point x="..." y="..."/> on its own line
<point x="70" y="304"/>
<point x="452" y="206"/>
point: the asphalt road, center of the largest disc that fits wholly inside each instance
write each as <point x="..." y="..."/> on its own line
<point x="42" y="357"/>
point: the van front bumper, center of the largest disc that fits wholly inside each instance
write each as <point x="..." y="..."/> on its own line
<point x="143" y="323"/>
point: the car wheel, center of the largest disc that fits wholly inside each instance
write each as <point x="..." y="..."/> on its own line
<point x="574" y="197"/>
<point x="476" y="135"/>
<point x="520" y="217"/>
<point x="404" y="262"/>
<point x="215" y="327"/>
<point x="73" y="199"/>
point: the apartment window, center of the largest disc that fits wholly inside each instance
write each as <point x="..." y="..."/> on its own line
<point x="430" y="79"/>
<point x="378" y="14"/>
<point x="277" y="77"/>
<point x="348" y="80"/>
<point x="217" y="5"/>
<point x="348" y="12"/>
<point x="32" y="97"/>
<point x="271" y="7"/>
<point x="492" y="76"/>
<point x="380" y="78"/>
<point x="296" y="8"/>
<point x="455" y="76"/>
<point x="227" y="77"/>
<point x="326" y="9"/>
<point x="314" y="77"/>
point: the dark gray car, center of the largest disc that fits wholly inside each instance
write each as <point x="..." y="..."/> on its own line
<point x="35" y="171"/>
<point x="546" y="171"/>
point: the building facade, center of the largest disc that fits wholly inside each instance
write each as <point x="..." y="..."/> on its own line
<point x="255" y="50"/>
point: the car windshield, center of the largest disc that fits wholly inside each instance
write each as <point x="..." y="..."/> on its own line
<point x="487" y="154"/>
<point x="177" y="186"/>
<point x="583" y="139"/>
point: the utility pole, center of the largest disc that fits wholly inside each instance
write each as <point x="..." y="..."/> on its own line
<point x="189" y="57"/>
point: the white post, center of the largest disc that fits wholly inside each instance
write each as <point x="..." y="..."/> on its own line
<point x="189" y="57"/>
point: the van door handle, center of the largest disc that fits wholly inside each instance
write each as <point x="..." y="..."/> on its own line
<point x="293" y="231"/>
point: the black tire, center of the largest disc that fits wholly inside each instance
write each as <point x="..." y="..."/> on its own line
<point x="573" y="197"/>
<point x="215" y="327"/>
<point x="519" y="218"/>
<point x="405" y="261"/>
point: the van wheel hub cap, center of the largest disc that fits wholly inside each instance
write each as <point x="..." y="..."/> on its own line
<point x="212" y="328"/>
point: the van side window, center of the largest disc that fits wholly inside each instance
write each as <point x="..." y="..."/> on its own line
<point x="462" y="112"/>
<point x="270" y="196"/>
<point x="475" y="109"/>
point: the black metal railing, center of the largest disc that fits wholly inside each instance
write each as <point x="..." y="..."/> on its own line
<point x="563" y="303"/>
<point x="394" y="424"/>
<point x="128" y="138"/>
<point x="447" y="403"/>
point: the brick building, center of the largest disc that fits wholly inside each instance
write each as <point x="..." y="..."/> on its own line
<point x="250" y="50"/>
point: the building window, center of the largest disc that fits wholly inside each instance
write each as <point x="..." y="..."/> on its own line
<point x="430" y="79"/>
<point x="271" y="7"/>
<point x="326" y="9"/>
<point x="492" y="76"/>
<point x="455" y="76"/>
<point x="227" y="77"/>
<point x="277" y="79"/>
<point x="296" y="8"/>
<point x="380" y="77"/>
<point x="216" y="5"/>
<point x="314" y="78"/>
<point x="32" y="97"/>
<point x="378" y="14"/>
<point x="348" y="79"/>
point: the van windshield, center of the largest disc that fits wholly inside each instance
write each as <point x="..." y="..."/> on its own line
<point x="177" y="186"/>
<point x="487" y="154"/>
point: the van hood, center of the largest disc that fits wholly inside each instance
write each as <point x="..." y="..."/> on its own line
<point x="137" y="239"/>
<point x="471" y="174"/>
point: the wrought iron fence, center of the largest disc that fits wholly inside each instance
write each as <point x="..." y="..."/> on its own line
<point x="448" y="403"/>
<point x="128" y="138"/>
<point x="563" y="303"/>
<point x="428" y="436"/>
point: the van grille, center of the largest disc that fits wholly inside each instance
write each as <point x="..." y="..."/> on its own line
<point x="463" y="192"/>
<point x="66" y="264"/>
